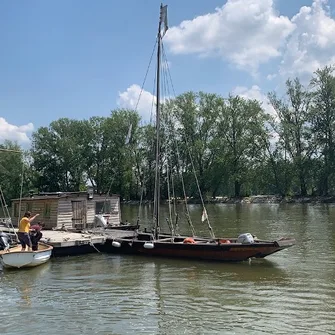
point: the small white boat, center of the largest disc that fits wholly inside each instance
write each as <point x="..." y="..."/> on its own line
<point x="15" y="258"/>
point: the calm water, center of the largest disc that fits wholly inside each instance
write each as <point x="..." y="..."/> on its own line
<point x="292" y="292"/>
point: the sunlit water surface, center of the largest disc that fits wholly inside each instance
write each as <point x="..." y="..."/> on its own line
<point x="292" y="292"/>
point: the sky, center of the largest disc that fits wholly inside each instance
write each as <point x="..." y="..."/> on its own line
<point x="81" y="58"/>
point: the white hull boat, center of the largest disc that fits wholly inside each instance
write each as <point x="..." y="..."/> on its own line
<point x="15" y="258"/>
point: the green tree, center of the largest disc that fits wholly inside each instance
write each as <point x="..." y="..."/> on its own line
<point x="323" y="124"/>
<point x="195" y="115"/>
<point x="242" y="133"/>
<point x="294" y="130"/>
<point x="59" y="154"/>
<point x="13" y="164"/>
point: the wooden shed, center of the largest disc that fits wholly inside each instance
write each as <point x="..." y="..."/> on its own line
<point x="68" y="209"/>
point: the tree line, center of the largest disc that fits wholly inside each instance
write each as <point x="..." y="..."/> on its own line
<point x="231" y="144"/>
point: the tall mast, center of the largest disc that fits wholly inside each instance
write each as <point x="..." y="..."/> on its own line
<point x="157" y="177"/>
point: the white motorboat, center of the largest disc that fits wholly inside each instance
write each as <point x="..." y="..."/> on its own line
<point x="15" y="258"/>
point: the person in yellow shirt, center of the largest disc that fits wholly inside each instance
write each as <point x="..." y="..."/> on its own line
<point x="23" y="233"/>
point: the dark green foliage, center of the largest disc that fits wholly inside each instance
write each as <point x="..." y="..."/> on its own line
<point x="232" y="146"/>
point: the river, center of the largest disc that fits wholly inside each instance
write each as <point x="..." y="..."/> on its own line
<point x="291" y="292"/>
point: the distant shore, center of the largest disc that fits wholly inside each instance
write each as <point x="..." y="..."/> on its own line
<point x="255" y="199"/>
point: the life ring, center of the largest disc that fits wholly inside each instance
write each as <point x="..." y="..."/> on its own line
<point x="224" y="242"/>
<point x="189" y="240"/>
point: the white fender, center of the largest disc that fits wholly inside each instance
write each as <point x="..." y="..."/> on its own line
<point x="148" y="245"/>
<point x="116" y="244"/>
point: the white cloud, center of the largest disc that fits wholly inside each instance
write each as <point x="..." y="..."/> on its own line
<point x="271" y="76"/>
<point x="312" y="44"/>
<point x="130" y="97"/>
<point x="15" y="133"/>
<point x="246" y="32"/>
<point x="255" y="93"/>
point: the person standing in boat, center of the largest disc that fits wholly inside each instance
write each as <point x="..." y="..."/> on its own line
<point x="23" y="233"/>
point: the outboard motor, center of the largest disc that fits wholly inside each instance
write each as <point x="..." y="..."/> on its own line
<point x="101" y="221"/>
<point x="245" y="239"/>
<point x="5" y="241"/>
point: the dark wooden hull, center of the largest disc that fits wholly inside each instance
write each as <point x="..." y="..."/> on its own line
<point x="233" y="252"/>
<point x="124" y="227"/>
<point x="76" y="250"/>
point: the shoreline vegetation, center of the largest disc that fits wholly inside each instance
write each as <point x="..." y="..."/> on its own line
<point x="232" y="145"/>
<point x="255" y="199"/>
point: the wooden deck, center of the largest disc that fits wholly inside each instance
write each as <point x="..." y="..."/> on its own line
<point x="71" y="243"/>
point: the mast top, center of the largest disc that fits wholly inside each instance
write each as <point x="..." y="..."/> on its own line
<point x="163" y="20"/>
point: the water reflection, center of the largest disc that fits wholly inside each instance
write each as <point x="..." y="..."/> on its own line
<point x="25" y="282"/>
<point x="291" y="292"/>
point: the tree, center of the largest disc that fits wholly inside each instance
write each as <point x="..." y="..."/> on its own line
<point x="242" y="133"/>
<point x="323" y="123"/>
<point x="59" y="154"/>
<point x="195" y="115"/>
<point x="12" y="165"/>
<point x="294" y="130"/>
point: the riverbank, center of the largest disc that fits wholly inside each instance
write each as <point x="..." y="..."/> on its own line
<point x="255" y="199"/>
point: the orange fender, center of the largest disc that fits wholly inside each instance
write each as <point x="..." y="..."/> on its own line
<point x="189" y="240"/>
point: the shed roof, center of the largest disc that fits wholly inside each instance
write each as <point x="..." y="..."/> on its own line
<point x="58" y="195"/>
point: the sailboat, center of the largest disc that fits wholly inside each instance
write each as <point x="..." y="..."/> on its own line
<point x="154" y="243"/>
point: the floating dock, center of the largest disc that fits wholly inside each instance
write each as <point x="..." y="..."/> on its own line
<point x="67" y="243"/>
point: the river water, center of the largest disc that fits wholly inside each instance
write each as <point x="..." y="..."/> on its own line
<point x="291" y="292"/>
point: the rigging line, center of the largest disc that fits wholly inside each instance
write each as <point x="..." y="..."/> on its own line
<point x="3" y="203"/>
<point x="181" y="174"/>
<point x="21" y="190"/>
<point x="142" y="182"/>
<point x="153" y="96"/>
<point x="151" y="124"/>
<point x="141" y="200"/>
<point x="184" y="192"/>
<point x="163" y="83"/>
<point x="146" y="74"/>
<point x="174" y="205"/>
<point x="168" y="70"/>
<point x="188" y="216"/>
<point x="107" y="194"/>
<point x="172" y="177"/>
<point x="2" y="195"/>
<point x="4" y="207"/>
<point x="199" y="190"/>
<point x="183" y="189"/>
<point x="169" y="200"/>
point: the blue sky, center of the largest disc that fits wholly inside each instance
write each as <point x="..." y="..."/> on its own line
<point x="73" y="58"/>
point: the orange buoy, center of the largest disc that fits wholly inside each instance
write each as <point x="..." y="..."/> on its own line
<point x="224" y="241"/>
<point x="189" y="240"/>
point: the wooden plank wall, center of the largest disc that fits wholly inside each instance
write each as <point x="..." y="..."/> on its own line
<point x="65" y="211"/>
<point x="37" y="206"/>
<point x="61" y="210"/>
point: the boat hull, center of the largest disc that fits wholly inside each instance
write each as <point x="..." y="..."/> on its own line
<point x="17" y="259"/>
<point x="123" y="227"/>
<point x="232" y="252"/>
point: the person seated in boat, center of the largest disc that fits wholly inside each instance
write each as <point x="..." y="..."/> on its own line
<point x="23" y="233"/>
<point x="35" y="235"/>
<point x="124" y="223"/>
